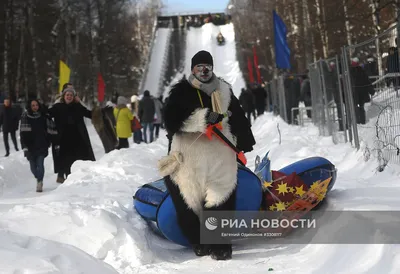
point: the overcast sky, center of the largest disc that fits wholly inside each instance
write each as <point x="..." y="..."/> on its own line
<point x="176" y="6"/>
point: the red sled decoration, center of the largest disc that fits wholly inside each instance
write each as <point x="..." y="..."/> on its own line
<point x="282" y="192"/>
<point x="301" y="206"/>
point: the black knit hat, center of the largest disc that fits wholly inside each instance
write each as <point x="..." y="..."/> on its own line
<point x="202" y="57"/>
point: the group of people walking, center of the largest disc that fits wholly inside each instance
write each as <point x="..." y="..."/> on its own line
<point x="143" y="120"/>
<point x="61" y="127"/>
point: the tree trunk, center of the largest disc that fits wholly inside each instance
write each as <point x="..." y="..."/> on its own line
<point x="325" y="28"/>
<point x="307" y="55"/>
<point x="31" y="29"/>
<point x="20" y="58"/>
<point x="297" y="36"/>
<point x="91" y="86"/>
<point x="347" y="23"/>
<point x="321" y="30"/>
<point x="311" y="55"/>
<point x="6" y="42"/>
<point x="375" y="14"/>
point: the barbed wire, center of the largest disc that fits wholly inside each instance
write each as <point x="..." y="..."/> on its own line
<point x="384" y="141"/>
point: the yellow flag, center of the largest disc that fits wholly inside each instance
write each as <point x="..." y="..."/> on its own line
<point x="64" y="75"/>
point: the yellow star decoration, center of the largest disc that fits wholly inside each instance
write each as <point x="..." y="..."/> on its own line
<point x="287" y="204"/>
<point x="280" y="206"/>
<point x="267" y="184"/>
<point x="315" y="185"/>
<point x="272" y="207"/>
<point x="282" y="188"/>
<point x="320" y="188"/>
<point x="300" y="191"/>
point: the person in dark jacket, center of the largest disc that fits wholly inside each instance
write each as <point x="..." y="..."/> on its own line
<point x="247" y="102"/>
<point x="392" y="66"/>
<point x="371" y="67"/>
<point x="260" y="96"/>
<point x="305" y="93"/>
<point x="75" y="143"/>
<point x="37" y="132"/>
<point x="292" y="95"/>
<point x="147" y="111"/>
<point x="201" y="174"/>
<point x="103" y="121"/>
<point x="56" y="152"/>
<point x="362" y="90"/>
<point x="158" y="119"/>
<point x="9" y="119"/>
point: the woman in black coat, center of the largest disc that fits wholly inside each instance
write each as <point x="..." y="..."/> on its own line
<point x="75" y="143"/>
<point x="37" y="133"/>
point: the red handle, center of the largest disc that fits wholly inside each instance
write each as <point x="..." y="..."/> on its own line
<point x="210" y="132"/>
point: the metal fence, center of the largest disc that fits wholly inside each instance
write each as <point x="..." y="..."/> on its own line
<point x="278" y="98"/>
<point x="373" y="82"/>
<point x="327" y="99"/>
<point x="355" y="97"/>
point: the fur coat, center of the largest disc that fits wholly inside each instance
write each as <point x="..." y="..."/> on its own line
<point x="205" y="170"/>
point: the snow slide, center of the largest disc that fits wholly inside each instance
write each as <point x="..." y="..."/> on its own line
<point x="225" y="63"/>
<point x="155" y="74"/>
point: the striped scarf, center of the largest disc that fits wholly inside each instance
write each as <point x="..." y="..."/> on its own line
<point x="26" y="126"/>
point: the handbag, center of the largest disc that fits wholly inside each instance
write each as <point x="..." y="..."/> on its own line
<point x="135" y="124"/>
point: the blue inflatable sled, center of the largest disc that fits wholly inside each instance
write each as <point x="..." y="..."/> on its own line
<point x="153" y="203"/>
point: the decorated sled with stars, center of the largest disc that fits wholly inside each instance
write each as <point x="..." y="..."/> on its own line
<point x="296" y="188"/>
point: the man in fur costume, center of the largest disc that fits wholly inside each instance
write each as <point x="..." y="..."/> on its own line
<point x="201" y="174"/>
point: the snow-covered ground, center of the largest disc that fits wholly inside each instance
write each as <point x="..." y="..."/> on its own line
<point x="88" y="225"/>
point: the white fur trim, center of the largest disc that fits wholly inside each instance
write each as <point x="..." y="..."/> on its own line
<point x="208" y="172"/>
<point x="170" y="163"/>
<point x="196" y="121"/>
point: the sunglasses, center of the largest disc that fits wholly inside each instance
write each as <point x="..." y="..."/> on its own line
<point x="204" y="66"/>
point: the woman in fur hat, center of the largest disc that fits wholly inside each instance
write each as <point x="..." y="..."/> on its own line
<point x="75" y="144"/>
<point x="201" y="174"/>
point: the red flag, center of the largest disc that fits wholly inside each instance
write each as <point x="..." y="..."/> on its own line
<point x="256" y="65"/>
<point x="250" y="67"/>
<point x="100" y="88"/>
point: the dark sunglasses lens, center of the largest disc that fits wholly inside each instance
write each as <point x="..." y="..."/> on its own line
<point x="202" y="67"/>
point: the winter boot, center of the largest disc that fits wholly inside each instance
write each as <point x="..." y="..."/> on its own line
<point x="39" y="186"/>
<point x="60" y="180"/>
<point x="221" y="252"/>
<point x="201" y="250"/>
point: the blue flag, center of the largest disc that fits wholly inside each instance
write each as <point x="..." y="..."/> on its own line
<point x="282" y="51"/>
